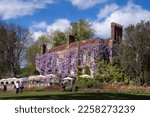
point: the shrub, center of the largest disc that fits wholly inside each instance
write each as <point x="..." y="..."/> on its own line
<point x="98" y="84"/>
<point x="87" y="70"/>
<point x="109" y="73"/>
<point x="133" y="83"/>
<point x="27" y="71"/>
<point x="86" y="83"/>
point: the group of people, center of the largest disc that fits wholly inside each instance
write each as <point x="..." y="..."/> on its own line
<point x="18" y="85"/>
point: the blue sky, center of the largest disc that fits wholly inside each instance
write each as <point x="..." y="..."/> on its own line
<point x="42" y="16"/>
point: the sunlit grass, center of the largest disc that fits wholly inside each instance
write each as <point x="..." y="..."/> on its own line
<point x="81" y="95"/>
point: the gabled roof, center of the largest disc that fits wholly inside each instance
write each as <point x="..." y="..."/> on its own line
<point x="91" y="41"/>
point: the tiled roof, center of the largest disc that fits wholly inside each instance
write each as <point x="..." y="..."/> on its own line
<point x="58" y="48"/>
<point x="81" y="43"/>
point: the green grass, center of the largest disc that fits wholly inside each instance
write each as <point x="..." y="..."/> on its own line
<point x="59" y="95"/>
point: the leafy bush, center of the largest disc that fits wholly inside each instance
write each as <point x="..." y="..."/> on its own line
<point x="27" y="71"/>
<point x="87" y="70"/>
<point x="88" y="83"/>
<point x="109" y="73"/>
<point x="98" y="84"/>
<point x="84" y="82"/>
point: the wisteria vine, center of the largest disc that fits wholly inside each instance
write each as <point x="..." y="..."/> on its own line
<point x="52" y="63"/>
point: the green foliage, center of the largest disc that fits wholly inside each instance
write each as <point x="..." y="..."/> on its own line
<point x="82" y="30"/>
<point x="88" y="83"/>
<point x="34" y="49"/>
<point x="134" y="52"/>
<point x="87" y="70"/>
<point x="84" y="82"/>
<point x="109" y="73"/>
<point x="59" y="38"/>
<point x="31" y="53"/>
<point x="27" y="71"/>
<point x="44" y="39"/>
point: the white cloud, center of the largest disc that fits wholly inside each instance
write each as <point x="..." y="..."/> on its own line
<point x="60" y="24"/>
<point x="84" y="4"/>
<point x="129" y="14"/>
<point x="37" y="34"/>
<point x="41" y="28"/>
<point x="39" y="25"/>
<point x="17" y="8"/>
<point x="108" y="9"/>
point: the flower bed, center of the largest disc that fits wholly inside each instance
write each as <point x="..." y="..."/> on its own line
<point x="126" y="87"/>
<point x="43" y="88"/>
<point x="53" y="88"/>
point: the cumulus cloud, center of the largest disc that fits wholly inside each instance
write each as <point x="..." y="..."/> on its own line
<point x="39" y="25"/>
<point x="129" y="14"/>
<point x="17" y="8"/>
<point x="108" y="9"/>
<point x="84" y="4"/>
<point x="41" y="28"/>
<point x="60" y="24"/>
<point x="37" y="34"/>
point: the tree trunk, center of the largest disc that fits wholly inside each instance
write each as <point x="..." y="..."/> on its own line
<point x="142" y="79"/>
<point x="12" y="70"/>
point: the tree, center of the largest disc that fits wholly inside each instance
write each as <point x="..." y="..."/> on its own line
<point x="34" y="49"/>
<point x="82" y="30"/>
<point x="109" y="73"/>
<point x="58" y="38"/>
<point x="28" y="70"/>
<point x="134" y="52"/>
<point x="13" y="40"/>
<point x="31" y="53"/>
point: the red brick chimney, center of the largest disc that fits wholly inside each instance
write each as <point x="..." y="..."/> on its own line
<point x="116" y="32"/>
<point x="70" y="40"/>
<point x="43" y="49"/>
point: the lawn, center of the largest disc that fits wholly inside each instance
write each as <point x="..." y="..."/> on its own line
<point x="89" y="95"/>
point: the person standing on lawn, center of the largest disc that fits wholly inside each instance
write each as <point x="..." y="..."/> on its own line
<point x="17" y="87"/>
<point x="5" y="87"/>
<point x="21" y="86"/>
<point x="64" y="85"/>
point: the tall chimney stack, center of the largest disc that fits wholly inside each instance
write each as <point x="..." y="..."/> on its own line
<point x="70" y="40"/>
<point x="43" y="49"/>
<point x="116" y="32"/>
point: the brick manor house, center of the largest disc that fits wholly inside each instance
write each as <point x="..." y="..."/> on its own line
<point x="65" y="60"/>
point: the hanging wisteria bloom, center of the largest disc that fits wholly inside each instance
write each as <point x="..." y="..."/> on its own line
<point x="65" y="62"/>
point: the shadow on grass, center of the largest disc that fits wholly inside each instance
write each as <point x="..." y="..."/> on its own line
<point x="79" y="96"/>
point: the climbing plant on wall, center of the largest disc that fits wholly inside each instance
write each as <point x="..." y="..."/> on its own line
<point x="47" y="63"/>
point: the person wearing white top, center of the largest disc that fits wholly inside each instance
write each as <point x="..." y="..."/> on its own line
<point x="17" y="87"/>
